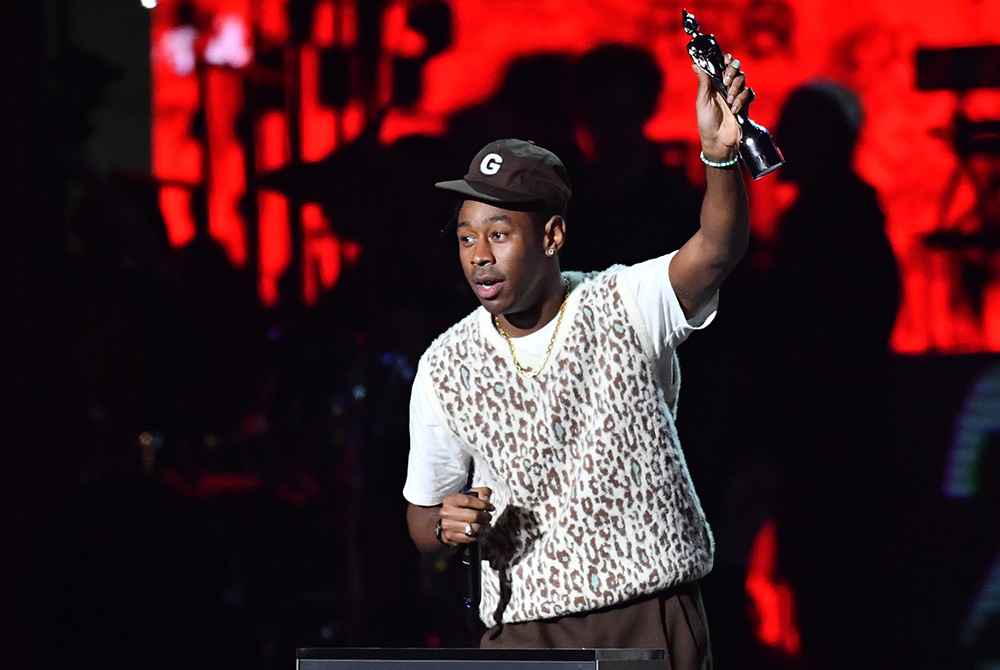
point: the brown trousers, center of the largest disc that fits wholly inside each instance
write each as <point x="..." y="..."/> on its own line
<point x="672" y="620"/>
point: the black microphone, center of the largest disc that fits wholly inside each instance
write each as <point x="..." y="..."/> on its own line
<point x="473" y="583"/>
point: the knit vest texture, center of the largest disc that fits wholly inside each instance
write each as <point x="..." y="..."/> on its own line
<point x="594" y="502"/>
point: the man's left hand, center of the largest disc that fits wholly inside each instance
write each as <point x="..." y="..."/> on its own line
<point x="717" y="125"/>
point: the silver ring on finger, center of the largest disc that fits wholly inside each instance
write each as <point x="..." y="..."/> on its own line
<point x="469" y="532"/>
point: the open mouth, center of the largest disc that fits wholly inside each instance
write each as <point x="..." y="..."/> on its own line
<point x="487" y="289"/>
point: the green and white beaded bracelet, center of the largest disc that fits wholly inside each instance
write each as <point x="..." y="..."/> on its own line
<point x="732" y="161"/>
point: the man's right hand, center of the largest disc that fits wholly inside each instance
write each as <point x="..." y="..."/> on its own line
<point x="456" y="511"/>
<point x="464" y="516"/>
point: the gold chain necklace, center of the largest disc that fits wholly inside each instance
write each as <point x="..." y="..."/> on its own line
<point x="545" y="359"/>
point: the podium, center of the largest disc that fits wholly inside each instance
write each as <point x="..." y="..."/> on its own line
<point x="323" y="658"/>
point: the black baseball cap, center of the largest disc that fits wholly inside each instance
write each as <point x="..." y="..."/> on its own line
<point x="514" y="172"/>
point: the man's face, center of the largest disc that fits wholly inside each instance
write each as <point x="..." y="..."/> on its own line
<point x="503" y="255"/>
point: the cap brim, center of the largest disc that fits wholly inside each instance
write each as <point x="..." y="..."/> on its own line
<point x="487" y="193"/>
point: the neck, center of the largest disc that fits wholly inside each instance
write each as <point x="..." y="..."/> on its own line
<point x="525" y="322"/>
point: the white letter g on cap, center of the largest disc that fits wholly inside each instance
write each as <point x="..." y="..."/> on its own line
<point x="491" y="164"/>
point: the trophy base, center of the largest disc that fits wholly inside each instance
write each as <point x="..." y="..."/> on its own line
<point x="758" y="151"/>
<point x="760" y="171"/>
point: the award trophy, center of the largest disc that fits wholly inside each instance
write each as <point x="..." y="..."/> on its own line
<point x="757" y="149"/>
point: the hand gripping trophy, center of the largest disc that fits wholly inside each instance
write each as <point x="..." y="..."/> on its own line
<point x="757" y="149"/>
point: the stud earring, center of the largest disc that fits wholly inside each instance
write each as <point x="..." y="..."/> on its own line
<point x="551" y="251"/>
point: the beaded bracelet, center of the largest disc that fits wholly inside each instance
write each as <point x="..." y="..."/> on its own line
<point x="724" y="164"/>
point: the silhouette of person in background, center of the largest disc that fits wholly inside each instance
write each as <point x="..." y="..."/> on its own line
<point x="534" y="102"/>
<point x="834" y="292"/>
<point x="832" y="257"/>
<point x="617" y="89"/>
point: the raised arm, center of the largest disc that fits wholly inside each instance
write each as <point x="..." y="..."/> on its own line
<point x="699" y="267"/>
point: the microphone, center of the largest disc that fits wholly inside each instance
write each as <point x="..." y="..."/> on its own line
<point x="473" y="580"/>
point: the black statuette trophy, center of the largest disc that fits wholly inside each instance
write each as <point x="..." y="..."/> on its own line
<point x="757" y="149"/>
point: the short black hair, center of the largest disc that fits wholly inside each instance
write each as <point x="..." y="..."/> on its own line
<point x="546" y="212"/>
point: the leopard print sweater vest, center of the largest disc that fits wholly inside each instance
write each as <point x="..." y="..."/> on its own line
<point x="594" y="502"/>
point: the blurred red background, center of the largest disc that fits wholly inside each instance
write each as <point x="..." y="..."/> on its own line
<point x="208" y="60"/>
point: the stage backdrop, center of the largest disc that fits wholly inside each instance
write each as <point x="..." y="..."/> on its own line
<point x="243" y="87"/>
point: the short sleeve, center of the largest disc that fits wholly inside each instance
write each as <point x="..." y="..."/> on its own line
<point x="437" y="464"/>
<point x="666" y="323"/>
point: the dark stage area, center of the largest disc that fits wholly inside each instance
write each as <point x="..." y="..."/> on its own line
<point x="222" y="255"/>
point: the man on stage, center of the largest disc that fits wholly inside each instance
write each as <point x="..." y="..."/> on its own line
<point x="559" y="393"/>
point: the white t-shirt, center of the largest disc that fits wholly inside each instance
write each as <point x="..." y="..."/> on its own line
<point x="438" y="463"/>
